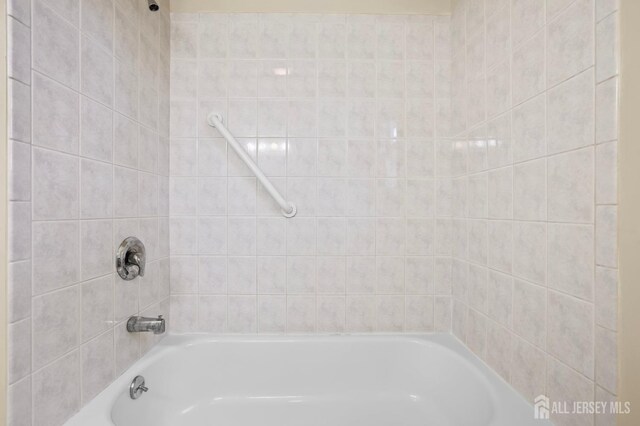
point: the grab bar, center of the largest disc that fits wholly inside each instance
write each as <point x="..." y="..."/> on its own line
<point x="288" y="209"/>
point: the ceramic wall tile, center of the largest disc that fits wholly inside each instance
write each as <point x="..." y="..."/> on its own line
<point x="558" y="137"/>
<point x="84" y="64"/>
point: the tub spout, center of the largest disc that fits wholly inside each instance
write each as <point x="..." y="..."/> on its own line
<point x="140" y="324"/>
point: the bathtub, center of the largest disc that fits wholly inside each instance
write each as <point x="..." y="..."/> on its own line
<point x="346" y="380"/>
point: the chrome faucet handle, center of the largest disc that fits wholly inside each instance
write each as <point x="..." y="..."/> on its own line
<point x="131" y="259"/>
<point x="136" y="263"/>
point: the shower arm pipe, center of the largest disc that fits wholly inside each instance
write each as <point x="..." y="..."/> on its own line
<point x="288" y="209"/>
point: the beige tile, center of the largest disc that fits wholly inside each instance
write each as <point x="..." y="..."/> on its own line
<point x="570" y="334"/>
<point x="19" y="10"/>
<point x="526" y="18"/>
<point x="529" y="309"/>
<point x="19" y="111"/>
<point x="570" y="39"/>
<point x="570" y="187"/>
<point x="242" y="314"/>
<point x="19" y="231"/>
<point x="606" y="297"/>
<point x="127" y="347"/>
<point x="55" y="186"/>
<point x="607" y="111"/>
<point x="390" y="314"/>
<point x="606" y="359"/>
<point x="53" y="241"/>
<point x="528" y="68"/>
<point x="96" y="80"/>
<point x="565" y="384"/>
<point x="570" y="113"/>
<point x="19" y="50"/>
<point x="96" y="189"/>
<point x="476" y="333"/>
<point x="19" y="407"/>
<point x="529" y="130"/>
<point x="499" y="349"/>
<point x="56" y="42"/>
<point x="606" y="173"/>
<point x="19" y="354"/>
<point x="528" y="369"/>
<point x="571" y="259"/>
<point x="19" y="290"/>
<point x="500" y="290"/>
<point x="442" y="314"/>
<point x="607" y="236"/>
<point x="97" y="306"/>
<point x="331" y="314"/>
<point x="500" y="193"/>
<point x="605" y="7"/>
<point x="272" y="314"/>
<point x="96" y="131"/>
<point x="360" y="313"/>
<point x="529" y="251"/>
<point x="212" y="314"/>
<point x="605" y="419"/>
<point x="97" y="20"/>
<point x="56" y="390"/>
<point x="530" y="190"/>
<point x="55" y="316"/>
<point x="607" y="45"/>
<point x="98" y="365"/>
<point x="500" y="245"/>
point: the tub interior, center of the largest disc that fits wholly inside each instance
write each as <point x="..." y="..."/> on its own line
<point x="312" y="383"/>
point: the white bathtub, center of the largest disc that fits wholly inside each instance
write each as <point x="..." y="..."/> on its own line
<point x="351" y="380"/>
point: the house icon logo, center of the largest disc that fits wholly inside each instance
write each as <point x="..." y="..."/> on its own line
<point x="541" y="407"/>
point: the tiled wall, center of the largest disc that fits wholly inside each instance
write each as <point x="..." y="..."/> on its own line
<point x="534" y="193"/>
<point x="88" y="165"/>
<point x="427" y="157"/>
<point x="342" y="112"/>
